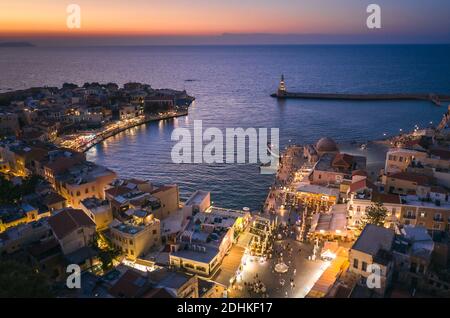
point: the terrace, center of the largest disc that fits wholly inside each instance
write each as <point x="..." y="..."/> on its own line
<point x="426" y="203"/>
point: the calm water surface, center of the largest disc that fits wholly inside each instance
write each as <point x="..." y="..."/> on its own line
<point x="232" y="87"/>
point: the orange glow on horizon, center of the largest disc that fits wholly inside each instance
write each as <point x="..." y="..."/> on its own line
<point x="156" y="18"/>
<point x="120" y="18"/>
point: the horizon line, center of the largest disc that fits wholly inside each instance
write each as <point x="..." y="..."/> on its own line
<point x="33" y="45"/>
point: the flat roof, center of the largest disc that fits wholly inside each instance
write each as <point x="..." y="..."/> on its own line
<point x="416" y="201"/>
<point x="197" y="197"/>
<point x="169" y="279"/>
<point x="128" y="228"/>
<point x="317" y="189"/>
<point x="204" y="256"/>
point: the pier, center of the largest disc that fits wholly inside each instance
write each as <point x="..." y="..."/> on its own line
<point x="282" y="93"/>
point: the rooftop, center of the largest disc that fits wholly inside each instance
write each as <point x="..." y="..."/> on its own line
<point x="414" y="241"/>
<point x="374" y="238"/>
<point x="131" y="284"/>
<point x="386" y="198"/>
<point x="205" y="232"/>
<point x="416" y="201"/>
<point x="136" y="224"/>
<point x="412" y="177"/>
<point x="361" y="185"/>
<point x="326" y="144"/>
<point x="340" y="162"/>
<point x="68" y="220"/>
<point x="335" y="221"/>
<point x="317" y="189"/>
<point x="197" y="198"/>
<point x="20" y="230"/>
<point x="168" y="279"/>
<point x="94" y="203"/>
<point x="84" y="173"/>
<point x="203" y="254"/>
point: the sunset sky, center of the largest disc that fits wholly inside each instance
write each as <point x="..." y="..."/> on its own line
<point x="138" y="21"/>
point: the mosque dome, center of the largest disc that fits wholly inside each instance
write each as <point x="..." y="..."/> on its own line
<point x="326" y="145"/>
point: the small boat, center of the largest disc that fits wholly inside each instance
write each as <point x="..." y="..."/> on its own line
<point x="363" y="146"/>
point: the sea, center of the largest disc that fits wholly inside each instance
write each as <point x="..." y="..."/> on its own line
<point x="232" y="87"/>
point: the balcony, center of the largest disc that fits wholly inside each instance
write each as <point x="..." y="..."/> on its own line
<point x="438" y="219"/>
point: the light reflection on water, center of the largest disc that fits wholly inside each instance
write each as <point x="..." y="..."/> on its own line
<point x="232" y="90"/>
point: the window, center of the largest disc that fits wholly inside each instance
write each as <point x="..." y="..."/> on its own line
<point x="78" y="193"/>
<point x="355" y="263"/>
<point x="200" y="268"/>
<point x="358" y="209"/>
<point x="131" y="242"/>
<point x="423" y="215"/>
<point x="400" y="159"/>
<point x="364" y="266"/>
<point x="154" y="231"/>
<point x="86" y="190"/>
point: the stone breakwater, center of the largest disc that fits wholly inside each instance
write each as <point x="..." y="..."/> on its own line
<point x="435" y="98"/>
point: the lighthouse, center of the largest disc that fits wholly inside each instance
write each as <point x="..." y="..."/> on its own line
<point x="281" y="87"/>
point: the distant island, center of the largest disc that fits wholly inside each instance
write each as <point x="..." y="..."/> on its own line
<point x="16" y="44"/>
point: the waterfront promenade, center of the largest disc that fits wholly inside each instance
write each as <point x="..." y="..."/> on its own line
<point x="291" y="162"/>
<point x="83" y="141"/>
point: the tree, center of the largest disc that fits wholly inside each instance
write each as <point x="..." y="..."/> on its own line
<point x="18" y="280"/>
<point x="29" y="184"/>
<point x="375" y="214"/>
<point x="106" y="252"/>
<point x="10" y="193"/>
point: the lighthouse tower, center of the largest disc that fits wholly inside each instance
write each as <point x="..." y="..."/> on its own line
<point x="281" y="87"/>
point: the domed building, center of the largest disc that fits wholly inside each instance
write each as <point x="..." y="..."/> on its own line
<point x="326" y="145"/>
